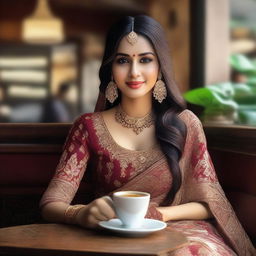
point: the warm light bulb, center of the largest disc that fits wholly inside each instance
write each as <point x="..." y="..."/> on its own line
<point x="42" y="27"/>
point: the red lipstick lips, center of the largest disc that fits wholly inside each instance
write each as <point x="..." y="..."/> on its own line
<point x="135" y="84"/>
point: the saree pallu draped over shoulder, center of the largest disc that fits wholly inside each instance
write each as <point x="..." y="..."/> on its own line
<point x="114" y="168"/>
<point x="200" y="184"/>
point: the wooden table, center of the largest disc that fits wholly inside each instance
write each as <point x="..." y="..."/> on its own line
<point x="58" y="239"/>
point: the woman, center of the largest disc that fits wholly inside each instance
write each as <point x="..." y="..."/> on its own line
<point x="141" y="138"/>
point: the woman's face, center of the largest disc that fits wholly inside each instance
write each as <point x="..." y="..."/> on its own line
<point x="135" y="68"/>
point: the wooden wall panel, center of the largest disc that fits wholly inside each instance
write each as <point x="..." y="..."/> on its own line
<point x="233" y="151"/>
<point x="174" y="16"/>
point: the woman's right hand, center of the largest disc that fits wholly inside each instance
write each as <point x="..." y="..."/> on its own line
<point x="96" y="211"/>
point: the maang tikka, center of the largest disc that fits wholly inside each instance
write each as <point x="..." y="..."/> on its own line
<point x="132" y="37"/>
<point x="111" y="93"/>
<point x="159" y="91"/>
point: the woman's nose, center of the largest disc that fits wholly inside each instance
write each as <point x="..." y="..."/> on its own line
<point x="134" y="72"/>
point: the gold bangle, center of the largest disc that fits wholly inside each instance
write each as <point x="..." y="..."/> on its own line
<point x="71" y="212"/>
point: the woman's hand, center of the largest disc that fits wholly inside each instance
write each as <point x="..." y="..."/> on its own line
<point x="98" y="210"/>
<point x="188" y="211"/>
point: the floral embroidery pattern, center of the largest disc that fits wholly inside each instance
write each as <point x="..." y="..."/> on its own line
<point x="72" y="170"/>
<point x="58" y="190"/>
<point x="74" y="158"/>
<point x="203" y="238"/>
<point x="110" y="167"/>
<point x="151" y="173"/>
<point x="198" y="154"/>
<point x="208" y="190"/>
<point x="136" y="160"/>
<point x="195" y="151"/>
<point x="117" y="183"/>
<point x="202" y="164"/>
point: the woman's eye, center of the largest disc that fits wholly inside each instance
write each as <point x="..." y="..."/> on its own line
<point x="122" y="60"/>
<point x="145" y="60"/>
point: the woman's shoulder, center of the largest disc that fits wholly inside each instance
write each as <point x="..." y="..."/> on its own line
<point x="187" y="116"/>
<point x="93" y="115"/>
<point x="87" y="116"/>
<point x="192" y="122"/>
<point x="84" y="120"/>
<point x="93" y="119"/>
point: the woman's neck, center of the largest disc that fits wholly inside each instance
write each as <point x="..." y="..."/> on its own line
<point x="136" y="107"/>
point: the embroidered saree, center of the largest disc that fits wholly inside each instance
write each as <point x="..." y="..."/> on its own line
<point x="91" y="150"/>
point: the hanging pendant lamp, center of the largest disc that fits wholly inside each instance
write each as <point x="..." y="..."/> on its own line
<point x="42" y="27"/>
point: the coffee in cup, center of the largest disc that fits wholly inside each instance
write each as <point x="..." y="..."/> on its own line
<point x="131" y="207"/>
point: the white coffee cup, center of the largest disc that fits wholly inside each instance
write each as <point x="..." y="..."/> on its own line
<point x="131" y="207"/>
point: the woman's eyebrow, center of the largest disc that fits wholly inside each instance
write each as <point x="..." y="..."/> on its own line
<point x="146" y="53"/>
<point x="141" y="54"/>
<point x="122" y="54"/>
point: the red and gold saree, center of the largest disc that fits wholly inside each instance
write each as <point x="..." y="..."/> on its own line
<point x="112" y="167"/>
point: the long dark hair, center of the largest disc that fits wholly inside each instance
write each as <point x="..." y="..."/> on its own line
<point x="170" y="130"/>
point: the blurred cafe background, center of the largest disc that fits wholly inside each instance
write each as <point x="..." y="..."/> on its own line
<point x="50" y="50"/>
<point x="50" y="53"/>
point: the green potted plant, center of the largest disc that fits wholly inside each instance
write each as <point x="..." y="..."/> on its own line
<point x="245" y="94"/>
<point x="217" y="101"/>
<point x="229" y="102"/>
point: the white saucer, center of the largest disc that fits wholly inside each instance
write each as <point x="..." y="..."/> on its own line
<point x="148" y="226"/>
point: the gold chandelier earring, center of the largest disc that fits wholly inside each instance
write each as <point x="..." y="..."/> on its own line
<point x="111" y="91"/>
<point x="159" y="91"/>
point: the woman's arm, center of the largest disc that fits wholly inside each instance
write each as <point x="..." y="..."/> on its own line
<point x="188" y="211"/>
<point x="84" y="215"/>
<point x="54" y="212"/>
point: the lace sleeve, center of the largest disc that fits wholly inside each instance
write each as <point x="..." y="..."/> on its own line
<point x="71" y="167"/>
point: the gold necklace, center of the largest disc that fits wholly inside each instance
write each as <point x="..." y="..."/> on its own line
<point x="137" y="124"/>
